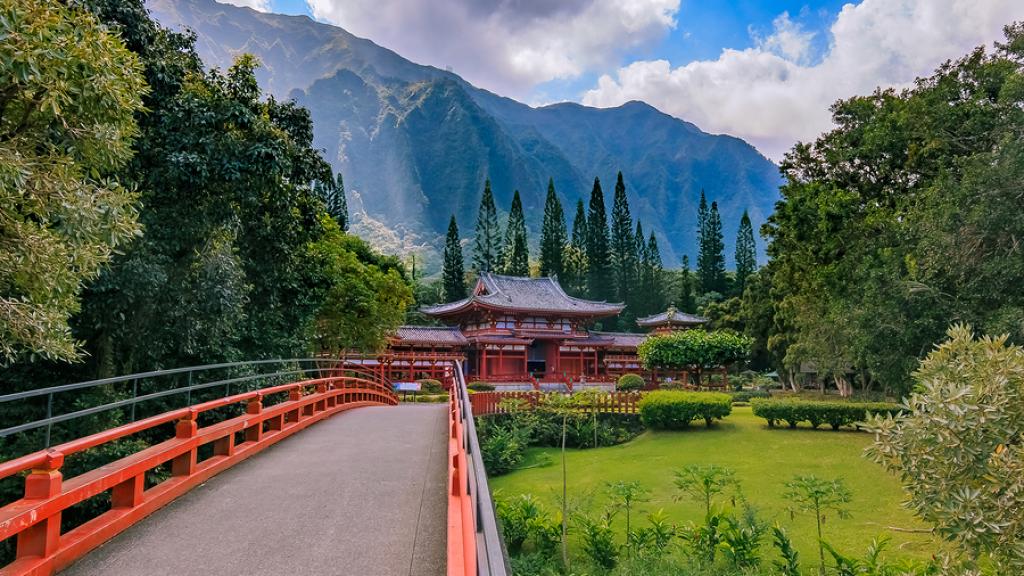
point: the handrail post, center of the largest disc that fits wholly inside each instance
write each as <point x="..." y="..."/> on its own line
<point x="254" y="407"/>
<point x="186" y="428"/>
<point x="43" y="538"/>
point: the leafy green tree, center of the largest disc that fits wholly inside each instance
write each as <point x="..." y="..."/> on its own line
<point x="554" y="238"/>
<point x="746" y="253"/>
<point x="693" y="351"/>
<point x="515" y="252"/>
<point x="453" y="272"/>
<point x="600" y="282"/>
<point x="364" y="303"/>
<point x="890" y="225"/>
<point x="812" y="494"/>
<point x="687" y="301"/>
<point x="957" y="449"/>
<point x="69" y="91"/>
<point x="711" y="257"/>
<point x="623" y="252"/>
<point x="487" y="242"/>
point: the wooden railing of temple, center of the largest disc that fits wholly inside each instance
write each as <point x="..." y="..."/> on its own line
<point x="42" y="547"/>
<point x="485" y="403"/>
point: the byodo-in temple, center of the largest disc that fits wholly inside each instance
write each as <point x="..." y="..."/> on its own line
<point x="521" y="332"/>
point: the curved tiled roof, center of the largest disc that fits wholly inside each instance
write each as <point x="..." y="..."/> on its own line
<point x="518" y="294"/>
<point x="672" y="316"/>
<point x="430" y="336"/>
<point x="621" y="339"/>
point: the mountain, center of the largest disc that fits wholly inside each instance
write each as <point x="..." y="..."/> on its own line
<point x="415" y="143"/>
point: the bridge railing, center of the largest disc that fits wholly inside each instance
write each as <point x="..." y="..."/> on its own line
<point x="475" y="546"/>
<point x="190" y="456"/>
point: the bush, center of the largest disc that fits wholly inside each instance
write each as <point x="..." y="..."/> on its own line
<point x="430" y="386"/>
<point x="836" y="413"/>
<point x="743" y="396"/>
<point x="672" y="410"/>
<point x="629" y="382"/>
<point x="480" y="386"/>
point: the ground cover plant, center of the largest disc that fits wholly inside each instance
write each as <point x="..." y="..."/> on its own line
<point x="763" y="461"/>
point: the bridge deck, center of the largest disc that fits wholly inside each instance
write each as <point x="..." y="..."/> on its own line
<point x="362" y="493"/>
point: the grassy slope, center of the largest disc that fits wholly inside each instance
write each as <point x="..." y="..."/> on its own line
<point x="764" y="459"/>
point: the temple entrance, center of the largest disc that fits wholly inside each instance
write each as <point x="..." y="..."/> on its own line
<point x="536" y="358"/>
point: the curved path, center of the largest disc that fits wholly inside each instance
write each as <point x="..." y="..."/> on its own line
<point x="363" y="493"/>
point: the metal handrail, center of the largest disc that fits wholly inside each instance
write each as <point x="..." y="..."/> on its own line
<point x="491" y="557"/>
<point x="49" y="392"/>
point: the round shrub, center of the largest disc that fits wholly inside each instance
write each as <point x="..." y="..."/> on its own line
<point x="674" y="410"/>
<point x="629" y="382"/>
<point x="430" y="386"/>
<point x="480" y="386"/>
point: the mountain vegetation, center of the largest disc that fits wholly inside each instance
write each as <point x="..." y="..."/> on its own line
<point x="395" y="129"/>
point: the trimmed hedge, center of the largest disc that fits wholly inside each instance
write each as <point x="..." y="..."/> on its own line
<point x="431" y="386"/>
<point x="630" y="382"/>
<point x="674" y="410"/>
<point x="480" y="386"/>
<point x="835" y="414"/>
<point x="740" y="396"/>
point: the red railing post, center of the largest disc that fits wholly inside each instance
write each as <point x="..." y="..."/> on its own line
<point x="185" y="464"/>
<point x="254" y="407"/>
<point x="42" y="538"/>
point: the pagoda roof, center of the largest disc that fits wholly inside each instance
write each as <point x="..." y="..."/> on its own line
<point x="518" y="294"/>
<point x="621" y="339"/>
<point x="429" y="336"/>
<point x="672" y="316"/>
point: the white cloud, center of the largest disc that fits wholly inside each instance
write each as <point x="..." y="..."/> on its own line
<point x="772" y="96"/>
<point x="507" y="46"/>
<point x="261" y="5"/>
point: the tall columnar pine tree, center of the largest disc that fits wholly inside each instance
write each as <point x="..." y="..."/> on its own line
<point x="686" y="301"/>
<point x="600" y="283"/>
<point x="453" y="272"/>
<point x="337" y="204"/>
<point x="575" y="281"/>
<point x="623" y="246"/>
<point x="746" y="253"/>
<point x="702" y="218"/>
<point x="640" y="301"/>
<point x="487" y="243"/>
<point x="553" y="236"/>
<point x="654" y="285"/>
<point x="515" y="252"/>
<point x="711" y="259"/>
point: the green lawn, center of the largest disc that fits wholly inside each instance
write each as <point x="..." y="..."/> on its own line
<point x="763" y="458"/>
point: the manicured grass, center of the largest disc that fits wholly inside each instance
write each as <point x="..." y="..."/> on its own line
<point x="763" y="458"/>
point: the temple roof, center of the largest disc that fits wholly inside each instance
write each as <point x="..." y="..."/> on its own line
<point x="518" y="294"/>
<point x="621" y="339"/>
<point x="430" y="336"/>
<point x="672" y="316"/>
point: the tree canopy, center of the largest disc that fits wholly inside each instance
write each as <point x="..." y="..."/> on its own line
<point x="69" y="93"/>
<point x="694" y="350"/>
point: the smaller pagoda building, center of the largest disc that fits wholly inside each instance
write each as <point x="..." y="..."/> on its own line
<point x="671" y="320"/>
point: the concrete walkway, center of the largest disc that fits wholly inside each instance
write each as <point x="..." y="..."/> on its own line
<point x="362" y="493"/>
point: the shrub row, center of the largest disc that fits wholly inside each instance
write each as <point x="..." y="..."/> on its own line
<point x="835" y="414"/>
<point x="479" y="386"/>
<point x="748" y="395"/>
<point x="674" y="410"/>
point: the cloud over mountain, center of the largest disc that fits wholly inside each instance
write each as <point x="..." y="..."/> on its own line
<point x="776" y="92"/>
<point x="507" y="46"/>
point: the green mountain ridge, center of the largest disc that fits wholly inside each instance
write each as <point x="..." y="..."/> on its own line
<point x="415" y="143"/>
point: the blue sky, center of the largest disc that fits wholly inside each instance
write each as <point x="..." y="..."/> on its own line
<point x="763" y="70"/>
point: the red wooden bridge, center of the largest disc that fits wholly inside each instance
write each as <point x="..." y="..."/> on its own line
<point x="321" y="474"/>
